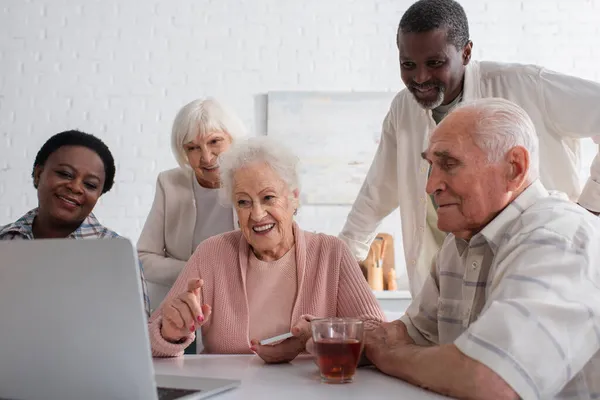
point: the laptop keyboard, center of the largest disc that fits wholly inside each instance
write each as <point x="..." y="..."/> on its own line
<point x="173" y="394"/>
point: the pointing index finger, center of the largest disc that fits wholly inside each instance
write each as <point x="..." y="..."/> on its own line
<point x="194" y="285"/>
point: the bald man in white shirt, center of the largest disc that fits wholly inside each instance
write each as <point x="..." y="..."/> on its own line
<point x="436" y="67"/>
<point x="511" y="306"/>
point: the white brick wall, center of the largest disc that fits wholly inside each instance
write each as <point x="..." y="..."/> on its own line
<point x="121" y="69"/>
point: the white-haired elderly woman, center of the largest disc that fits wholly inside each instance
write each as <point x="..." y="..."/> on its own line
<point x="268" y="278"/>
<point x="186" y="208"/>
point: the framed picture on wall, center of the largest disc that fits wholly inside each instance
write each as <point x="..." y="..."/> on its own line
<point x="334" y="134"/>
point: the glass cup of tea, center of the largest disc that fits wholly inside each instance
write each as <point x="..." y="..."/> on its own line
<point x="338" y="345"/>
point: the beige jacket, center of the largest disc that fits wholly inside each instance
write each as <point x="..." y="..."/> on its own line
<point x="166" y="241"/>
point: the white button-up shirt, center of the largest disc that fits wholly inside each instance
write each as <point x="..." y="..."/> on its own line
<point x="522" y="297"/>
<point x="563" y="109"/>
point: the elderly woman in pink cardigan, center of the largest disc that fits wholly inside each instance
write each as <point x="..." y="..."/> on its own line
<point x="268" y="278"/>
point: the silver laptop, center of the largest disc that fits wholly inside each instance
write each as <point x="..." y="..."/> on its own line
<point x="72" y="325"/>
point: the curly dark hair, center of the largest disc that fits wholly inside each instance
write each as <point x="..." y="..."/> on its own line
<point x="427" y="15"/>
<point x="78" y="138"/>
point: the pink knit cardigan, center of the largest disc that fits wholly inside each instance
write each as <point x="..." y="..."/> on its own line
<point x="330" y="284"/>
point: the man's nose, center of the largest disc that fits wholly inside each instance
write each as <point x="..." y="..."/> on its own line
<point x="434" y="181"/>
<point x="422" y="75"/>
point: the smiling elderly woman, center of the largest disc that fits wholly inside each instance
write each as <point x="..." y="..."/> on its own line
<point x="268" y="278"/>
<point x="186" y="209"/>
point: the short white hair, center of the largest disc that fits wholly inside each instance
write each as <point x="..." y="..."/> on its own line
<point x="201" y="117"/>
<point x="501" y="125"/>
<point x="256" y="150"/>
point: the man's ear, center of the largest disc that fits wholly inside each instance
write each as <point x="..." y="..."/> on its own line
<point x="467" y="50"/>
<point x="37" y="172"/>
<point x="518" y="162"/>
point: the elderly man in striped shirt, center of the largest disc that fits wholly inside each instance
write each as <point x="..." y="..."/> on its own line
<point x="511" y="308"/>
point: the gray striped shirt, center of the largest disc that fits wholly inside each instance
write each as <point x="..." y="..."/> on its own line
<point x="522" y="297"/>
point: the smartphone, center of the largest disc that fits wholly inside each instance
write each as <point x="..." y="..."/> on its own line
<point x="275" y="339"/>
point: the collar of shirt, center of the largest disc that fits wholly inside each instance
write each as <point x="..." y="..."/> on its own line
<point x="493" y="233"/>
<point x="90" y="228"/>
<point x="472" y="82"/>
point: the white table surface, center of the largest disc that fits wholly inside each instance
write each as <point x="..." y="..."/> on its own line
<point x="296" y="380"/>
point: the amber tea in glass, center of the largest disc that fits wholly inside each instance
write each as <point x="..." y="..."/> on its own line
<point x="338" y="345"/>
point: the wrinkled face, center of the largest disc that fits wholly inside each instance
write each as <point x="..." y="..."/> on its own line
<point x="69" y="184"/>
<point x="468" y="190"/>
<point x="265" y="208"/>
<point x="432" y="68"/>
<point x="202" y="153"/>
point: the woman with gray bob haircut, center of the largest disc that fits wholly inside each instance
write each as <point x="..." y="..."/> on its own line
<point x="186" y="208"/>
<point x="269" y="278"/>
